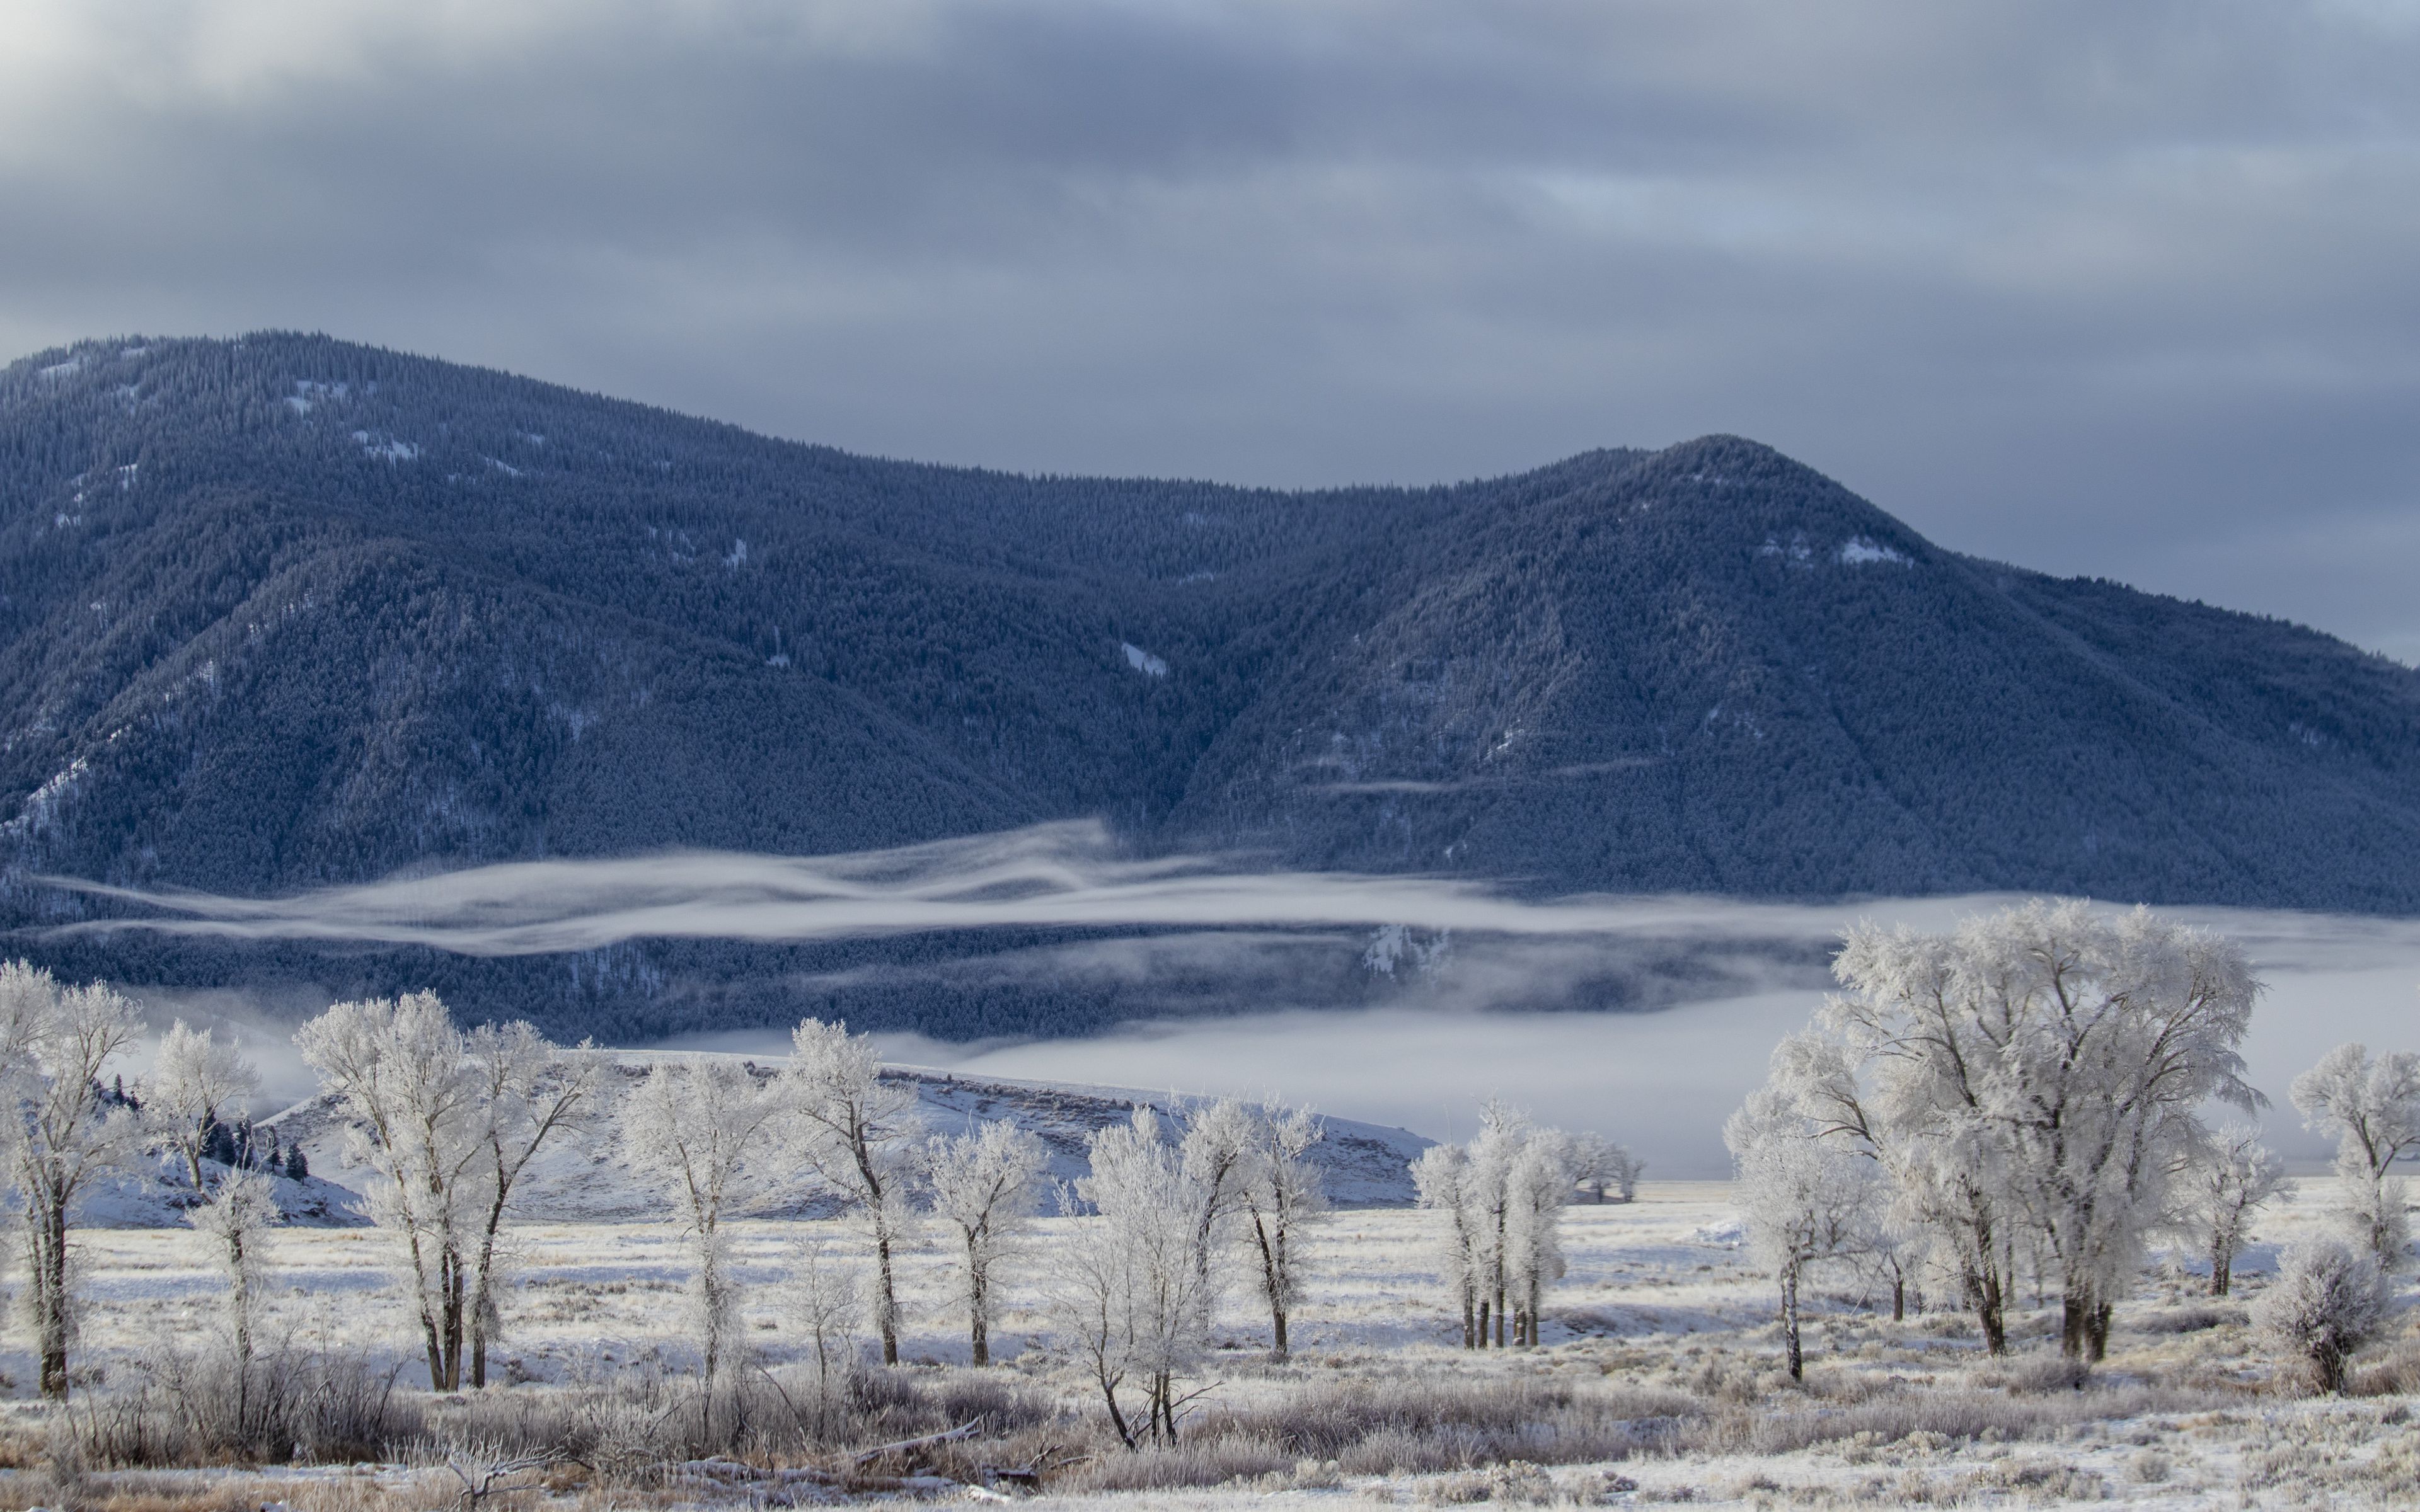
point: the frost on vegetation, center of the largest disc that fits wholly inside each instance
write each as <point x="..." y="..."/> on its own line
<point x="1859" y="551"/>
<point x="1142" y="660"/>
<point x="388" y="448"/>
<point x="2330" y="1299"/>
<point x="2372" y="1106"/>
<point x="1399" y="947"/>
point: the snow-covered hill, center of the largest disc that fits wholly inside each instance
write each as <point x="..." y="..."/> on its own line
<point x="583" y="1178"/>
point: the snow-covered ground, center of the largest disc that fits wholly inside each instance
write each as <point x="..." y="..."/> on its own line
<point x="1659" y="1300"/>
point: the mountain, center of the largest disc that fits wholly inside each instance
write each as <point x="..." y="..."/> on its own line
<point x="286" y="611"/>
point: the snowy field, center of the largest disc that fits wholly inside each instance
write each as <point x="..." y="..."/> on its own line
<point x="1659" y="1311"/>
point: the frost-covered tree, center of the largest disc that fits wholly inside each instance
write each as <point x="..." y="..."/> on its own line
<point x="1218" y="1148"/>
<point x="233" y="1226"/>
<point x="1607" y="1172"/>
<point x="67" y="1133"/>
<point x="447" y="1123"/>
<point x="2329" y="1298"/>
<point x="2033" y="1078"/>
<point x="699" y="1131"/>
<point x="1283" y="1199"/>
<point x="398" y="1069"/>
<point x="197" y="1085"/>
<point x="862" y="1137"/>
<point x="1440" y="1177"/>
<point x="1126" y="1294"/>
<point x="2232" y="1176"/>
<point x="985" y="1183"/>
<point x="2372" y="1107"/>
<point x="1538" y="1184"/>
<point x="822" y="1302"/>
<point x="530" y="1091"/>
<point x="1805" y="1199"/>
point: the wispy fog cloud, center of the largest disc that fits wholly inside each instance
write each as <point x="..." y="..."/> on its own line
<point x="1047" y="877"/>
<point x="1731" y="977"/>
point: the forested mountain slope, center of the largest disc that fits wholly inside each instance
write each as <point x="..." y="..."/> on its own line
<point x="285" y="612"/>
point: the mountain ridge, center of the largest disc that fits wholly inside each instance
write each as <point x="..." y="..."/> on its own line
<point x="285" y="611"/>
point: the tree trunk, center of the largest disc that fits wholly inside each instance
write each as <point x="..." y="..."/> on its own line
<point x="2222" y="1269"/>
<point x="2074" y="1324"/>
<point x="1117" y="1419"/>
<point x="51" y="1296"/>
<point x="2097" y="1331"/>
<point x="1790" y="1321"/>
<point x="889" y="1301"/>
<point x="454" y="1299"/>
<point x="1470" y="1320"/>
<point x="1273" y="1287"/>
<point x="979" y="1324"/>
<point x="1990" y="1312"/>
<point x="1899" y="1297"/>
<point x="1482" y="1322"/>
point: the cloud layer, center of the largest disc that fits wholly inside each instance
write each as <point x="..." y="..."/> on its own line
<point x="2112" y="289"/>
<point x="1057" y="877"/>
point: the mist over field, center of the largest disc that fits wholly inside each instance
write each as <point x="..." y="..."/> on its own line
<point x="1663" y="1080"/>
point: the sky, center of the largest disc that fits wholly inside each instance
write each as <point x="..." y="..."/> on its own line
<point x="2118" y="290"/>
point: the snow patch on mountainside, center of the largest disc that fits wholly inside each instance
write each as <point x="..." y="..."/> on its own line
<point x="1143" y="661"/>
<point x="1857" y="551"/>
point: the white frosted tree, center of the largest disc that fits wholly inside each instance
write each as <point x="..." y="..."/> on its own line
<point x="2034" y="1078"/>
<point x="985" y="1183"/>
<point x="1607" y="1172"/>
<point x="863" y="1138"/>
<point x="700" y="1131"/>
<point x="2329" y="1298"/>
<point x="2231" y="1178"/>
<point x="1805" y="1199"/>
<point x="823" y="1301"/>
<point x="1441" y="1178"/>
<point x="399" y="1070"/>
<point x="1285" y="1198"/>
<point x="197" y="1083"/>
<point x="1218" y="1148"/>
<point x="234" y="1227"/>
<point x="1126" y="1292"/>
<point x="65" y="1134"/>
<point x="530" y="1091"/>
<point x="2372" y="1107"/>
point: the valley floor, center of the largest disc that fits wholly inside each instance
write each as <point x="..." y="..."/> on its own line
<point x="1659" y="1381"/>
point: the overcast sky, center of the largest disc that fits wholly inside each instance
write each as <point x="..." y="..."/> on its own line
<point x="2124" y="289"/>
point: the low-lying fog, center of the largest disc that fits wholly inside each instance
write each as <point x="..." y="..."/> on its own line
<point x="1462" y="961"/>
<point x="1664" y="1081"/>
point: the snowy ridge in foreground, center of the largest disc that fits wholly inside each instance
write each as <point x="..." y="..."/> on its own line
<point x="581" y="1177"/>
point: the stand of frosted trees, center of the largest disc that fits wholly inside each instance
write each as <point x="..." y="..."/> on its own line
<point x="1504" y="1196"/>
<point x="2025" y="1091"/>
<point x="2023" y="1099"/>
<point x="447" y="1123"/>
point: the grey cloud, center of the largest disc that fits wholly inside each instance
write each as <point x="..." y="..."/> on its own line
<point x="2109" y="289"/>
